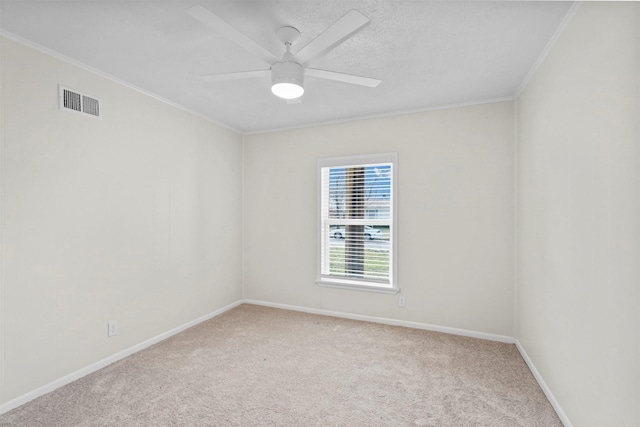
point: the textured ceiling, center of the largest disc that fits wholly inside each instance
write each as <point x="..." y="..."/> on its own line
<point x="427" y="54"/>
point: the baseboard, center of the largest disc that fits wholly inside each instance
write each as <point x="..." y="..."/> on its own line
<point x="47" y="388"/>
<point x="547" y="391"/>
<point x="387" y="321"/>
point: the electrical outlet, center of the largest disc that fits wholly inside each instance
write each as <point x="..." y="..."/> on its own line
<point x="112" y="329"/>
<point x="402" y="302"/>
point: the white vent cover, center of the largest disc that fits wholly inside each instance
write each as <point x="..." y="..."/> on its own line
<point x="74" y="101"/>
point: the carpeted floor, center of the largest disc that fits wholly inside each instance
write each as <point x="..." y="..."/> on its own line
<point x="262" y="366"/>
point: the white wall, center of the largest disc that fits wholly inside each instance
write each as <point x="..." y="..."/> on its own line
<point x="578" y="290"/>
<point x="456" y="229"/>
<point x="134" y="218"/>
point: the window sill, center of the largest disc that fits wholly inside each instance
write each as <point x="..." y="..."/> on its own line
<point x="356" y="287"/>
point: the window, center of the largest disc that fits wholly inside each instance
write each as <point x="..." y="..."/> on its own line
<point x="357" y="222"/>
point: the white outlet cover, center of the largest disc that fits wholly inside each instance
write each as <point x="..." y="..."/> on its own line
<point x="112" y="329"/>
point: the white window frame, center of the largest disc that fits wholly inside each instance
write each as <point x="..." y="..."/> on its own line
<point x="355" y="284"/>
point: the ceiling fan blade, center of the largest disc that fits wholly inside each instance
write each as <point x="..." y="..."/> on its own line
<point x="236" y="76"/>
<point x="341" y="30"/>
<point x="210" y="19"/>
<point x="341" y="77"/>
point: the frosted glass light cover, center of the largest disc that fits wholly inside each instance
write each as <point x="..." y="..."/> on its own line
<point x="287" y="90"/>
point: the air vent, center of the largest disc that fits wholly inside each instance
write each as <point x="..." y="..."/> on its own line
<point x="90" y="106"/>
<point x="78" y="102"/>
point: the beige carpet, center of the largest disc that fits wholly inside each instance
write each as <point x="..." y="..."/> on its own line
<point x="262" y="366"/>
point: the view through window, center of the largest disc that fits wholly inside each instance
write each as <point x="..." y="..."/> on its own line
<point x="356" y="222"/>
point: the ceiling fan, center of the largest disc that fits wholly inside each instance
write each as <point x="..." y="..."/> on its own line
<point x="288" y="73"/>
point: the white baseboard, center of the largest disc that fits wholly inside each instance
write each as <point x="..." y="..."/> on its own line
<point x="47" y="388"/>
<point x="386" y="321"/>
<point x="547" y="391"/>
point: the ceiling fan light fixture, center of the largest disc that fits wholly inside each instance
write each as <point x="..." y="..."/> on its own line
<point x="287" y="80"/>
<point x="287" y="75"/>
<point x="287" y="90"/>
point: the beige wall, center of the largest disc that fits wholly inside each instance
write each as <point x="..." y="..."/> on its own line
<point x="578" y="289"/>
<point x="456" y="230"/>
<point x="134" y="218"/>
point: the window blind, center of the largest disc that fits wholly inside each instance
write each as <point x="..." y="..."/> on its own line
<point x="356" y="221"/>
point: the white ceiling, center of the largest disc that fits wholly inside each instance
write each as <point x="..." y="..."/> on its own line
<point x="428" y="54"/>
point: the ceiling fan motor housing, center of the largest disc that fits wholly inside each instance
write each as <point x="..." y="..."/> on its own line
<point x="288" y="74"/>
